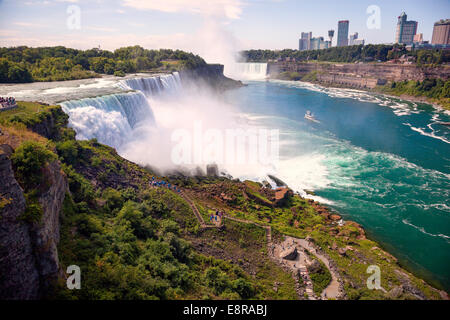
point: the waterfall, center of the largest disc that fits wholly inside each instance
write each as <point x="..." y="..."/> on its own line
<point x="154" y="86"/>
<point x="110" y="119"/>
<point x="247" y="71"/>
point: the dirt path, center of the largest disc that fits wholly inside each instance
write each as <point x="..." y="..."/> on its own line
<point x="333" y="289"/>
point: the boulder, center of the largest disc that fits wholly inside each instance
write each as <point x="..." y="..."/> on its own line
<point x="335" y="217"/>
<point x="282" y="195"/>
<point x="314" y="267"/>
<point x="289" y="254"/>
<point x="325" y="214"/>
<point x="212" y="170"/>
<point x="395" y="292"/>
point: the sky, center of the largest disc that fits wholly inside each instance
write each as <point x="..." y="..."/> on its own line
<point x="206" y="27"/>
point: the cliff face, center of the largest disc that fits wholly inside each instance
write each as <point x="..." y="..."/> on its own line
<point x="19" y="277"/>
<point x="211" y="75"/>
<point x="49" y="124"/>
<point x="365" y="75"/>
<point x="45" y="236"/>
<point x="28" y="251"/>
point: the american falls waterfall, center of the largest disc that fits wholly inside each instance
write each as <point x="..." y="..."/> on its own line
<point x="247" y="71"/>
<point x="116" y="119"/>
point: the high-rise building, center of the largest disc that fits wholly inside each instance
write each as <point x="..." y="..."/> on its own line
<point x="406" y="30"/>
<point x="441" y="32"/>
<point x="315" y="43"/>
<point x="305" y="41"/>
<point x="318" y="43"/>
<point x="418" y="38"/>
<point x="343" y="33"/>
<point x="331" y="36"/>
<point x="352" y="39"/>
<point x="325" y="45"/>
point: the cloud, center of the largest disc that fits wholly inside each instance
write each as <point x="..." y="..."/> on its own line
<point x="230" y="9"/>
<point x="101" y="29"/>
<point x="46" y="2"/>
<point x="29" y="24"/>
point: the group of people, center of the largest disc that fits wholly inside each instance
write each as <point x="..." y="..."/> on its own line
<point x="213" y="217"/>
<point x="162" y="183"/>
<point x="7" y="102"/>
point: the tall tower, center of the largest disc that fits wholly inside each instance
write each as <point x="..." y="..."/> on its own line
<point x="342" y="40"/>
<point x="305" y="41"/>
<point x="331" y="35"/>
<point x="406" y="30"/>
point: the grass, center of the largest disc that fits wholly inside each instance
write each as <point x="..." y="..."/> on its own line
<point x="17" y="133"/>
<point x="23" y="109"/>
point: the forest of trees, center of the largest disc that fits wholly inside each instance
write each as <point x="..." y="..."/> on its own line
<point x="25" y="64"/>
<point x="350" y="54"/>
<point x="436" y="89"/>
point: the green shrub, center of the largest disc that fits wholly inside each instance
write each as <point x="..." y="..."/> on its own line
<point x="33" y="211"/>
<point x="217" y="280"/>
<point x="119" y="73"/>
<point x="320" y="277"/>
<point x="28" y="160"/>
<point x="113" y="198"/>
<point x="80" y="188"/>
<point x="68" y="150"/>
<point x="244" y="288"/>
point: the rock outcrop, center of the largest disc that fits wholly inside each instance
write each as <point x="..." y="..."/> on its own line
<point x="289" y="254"/>
<point x="45" y="236"/>
<point x="28" y="251"/>
<point x="19" y="277"/>
<point x="210" y="75"/>
<point x="282" y="195"/>
<point x="50" y="123"/>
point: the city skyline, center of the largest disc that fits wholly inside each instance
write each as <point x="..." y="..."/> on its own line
<point x="194" y="25"/>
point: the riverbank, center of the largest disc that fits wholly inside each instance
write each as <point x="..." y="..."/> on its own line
<point x="438" y="105"/>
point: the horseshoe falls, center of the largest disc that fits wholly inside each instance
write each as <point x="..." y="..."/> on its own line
<point x="247" y="71"/>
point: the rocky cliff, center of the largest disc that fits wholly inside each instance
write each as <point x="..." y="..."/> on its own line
<point x="211" y="75"/>
<point x="28" y="250"/>
<point x="362" y="75"/>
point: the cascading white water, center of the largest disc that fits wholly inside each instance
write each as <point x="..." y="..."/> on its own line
<point x="247" y="71"/>
<point x="153" y="86"/>
<point x="109" y="118"/>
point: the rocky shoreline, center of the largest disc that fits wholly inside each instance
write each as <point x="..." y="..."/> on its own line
<point x="415" y="99"/>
